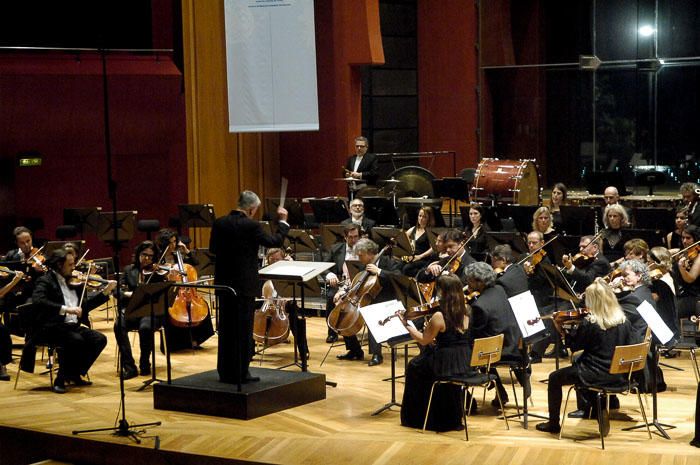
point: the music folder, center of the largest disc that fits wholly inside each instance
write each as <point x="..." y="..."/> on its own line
<point x="375" y="314"/>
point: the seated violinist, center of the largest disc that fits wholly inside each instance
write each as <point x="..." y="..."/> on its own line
<point x="686" y="271"/>
<point x="274" y="255"/>
<point x="141" y="271"/>
<point x="34" y="261"/>
<point x="454" y="261"/>
<point x="588" y="264"/>
<point x="631" y="289"/>
<point x="510" y="275"/>
<point x="492" y="315"/>
<point x="604" y="328"/>
<point x="5" y="338"/>
<point x="445" y="353"/>
<point x="59" y="308"/>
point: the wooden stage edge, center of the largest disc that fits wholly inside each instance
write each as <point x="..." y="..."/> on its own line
<point x="36" y="424"/>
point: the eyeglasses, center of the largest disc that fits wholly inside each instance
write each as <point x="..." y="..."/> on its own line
<point x="147" y="255"/>
<point x="357" y="205"/>
<point x="360" y="146"/>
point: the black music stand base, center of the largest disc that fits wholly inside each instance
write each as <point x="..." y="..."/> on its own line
<point x="126" y="431"/>
<point x="392" y="402"/>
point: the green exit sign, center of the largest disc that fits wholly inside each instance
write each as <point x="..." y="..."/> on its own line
<point x="36" y="161"/>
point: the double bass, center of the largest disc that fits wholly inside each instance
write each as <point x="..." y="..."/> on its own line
<point x="189" y="308"/>
<point x="345" y="318"/>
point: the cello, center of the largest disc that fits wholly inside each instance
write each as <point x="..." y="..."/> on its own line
<point x="345" y="318"/>
<point x="270" y="322"/>
<point x="189" y="308"/>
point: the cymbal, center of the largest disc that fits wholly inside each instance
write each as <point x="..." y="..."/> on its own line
<point x="344" y="179"/>
<point x="390" y="181"/>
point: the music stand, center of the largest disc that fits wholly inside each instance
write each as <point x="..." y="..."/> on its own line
<point x="381" y="210"/>
<point x="329" y="210"/>
<point x="513" y="239"/>
<point x="54" y="245"/>
<point x="406" y="289"/>
<point x="561" y="289"/>
<point x="84" y="219"/>
<point x="123" y="229"/>
<point x="579" y="220"/>
<point x="150" y="300"/>
<point x="295" y="209"/>
<point x="382" y="236"/>
<point x="653" y="218"/>
<point x="521" y="214"/>
<point x="453" y="188"/>
<point x="652" y="237"/>
<point x="300" y="241"/>
<point x="331" y="234"/>
<point x="196" y="216"/>
<point x="354" y="267"/>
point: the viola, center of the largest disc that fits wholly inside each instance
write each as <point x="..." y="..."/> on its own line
<point x="189" y="308"/>
<point x="36" y="259"/>
<point x="345" y="319"/>
<point x="270" y="321"/>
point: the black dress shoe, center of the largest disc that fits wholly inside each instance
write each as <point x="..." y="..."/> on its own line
<point x="350" y="355"/>
<point x="332" y="338"/>
<point x="504" y="399"/>
<point x="59" y="385"/>
<point x="553" y="353"/>
<point x="577" y="414"/>
<point x="548" y="427"/>
<point x="145" y="371"/>
<point x="250" y="378"/>
<point x="376" y="360"/>
<point x="79" y="381"/>
<point x="129" y="372"/>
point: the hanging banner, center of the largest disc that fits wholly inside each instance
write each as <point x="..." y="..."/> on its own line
<point x="271" y="65"/>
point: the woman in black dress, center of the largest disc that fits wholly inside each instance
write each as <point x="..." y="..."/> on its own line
<point x="478" y="245"/>
<point x="604" y="328"/>
<point x="674" y="239"/>
<point x="418" y="235"/>
<point x="615" y="218"/>
<point x="445" y="352"/>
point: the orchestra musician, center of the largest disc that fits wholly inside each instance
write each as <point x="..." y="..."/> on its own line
<point x="611" y="196"/>
<point x="362" y="166"/>
<point x="5" y="337"/>
<point x="604" y="328"/>
<point x="357" y="216"/>
<point x="674" y="240"/>
<point x="556" y="200"/>
<point x="631" y="289"/>
<point x="478" y="245"/>
<point x="34" y="261"/>
<point x="142" y="270"/>
<point x="492" y="315"/>
<point x="542" y="221"/>
<point x="58" y="308"/>
<point x="235" y="239"/>
<point x="420" y="243"/>
<point x="274" y="255"/>
<point x="690" y="192"/>
<point x="453" y="240"/>
<point x="339" y="274"/>
<point x="615" y="218"/>
<point x="597" y="265"/>
<point x="445" y="352"/>
<point x="179" y="338"/>
<point x="663" y="290"/>
<point x="387" y="266"/>
<point x="510" y="275"/>
<point x="686" y="273"/>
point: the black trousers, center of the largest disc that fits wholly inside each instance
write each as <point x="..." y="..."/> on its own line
<point x="5" y="345"/>
<point x="557" y="380"/>
<point x="145" y="329"/>
<point x="80" y="347"/>
<point x="236" y="346"/>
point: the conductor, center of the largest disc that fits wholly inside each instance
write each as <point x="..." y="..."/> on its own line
<point x="235" y="239"/>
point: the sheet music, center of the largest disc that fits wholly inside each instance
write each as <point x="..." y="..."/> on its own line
<point x="375" y="313"/>
<point x="524" y="309"/>
<point x="657" y="325"/>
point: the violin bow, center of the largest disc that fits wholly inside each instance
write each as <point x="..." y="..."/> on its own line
<point x="527" y="257"/>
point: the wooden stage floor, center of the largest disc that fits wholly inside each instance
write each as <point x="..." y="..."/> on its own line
<point x="338" y="430"/>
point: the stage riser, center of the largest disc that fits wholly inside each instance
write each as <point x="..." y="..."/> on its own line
<point x="203" y="394"/>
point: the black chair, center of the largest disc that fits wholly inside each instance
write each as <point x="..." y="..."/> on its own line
<point x="27" y="317"/>
<point x="148" y="226"/>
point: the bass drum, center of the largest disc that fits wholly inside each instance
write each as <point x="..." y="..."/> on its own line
<point x="416" y="181"/>
<point x="507" y="181"/>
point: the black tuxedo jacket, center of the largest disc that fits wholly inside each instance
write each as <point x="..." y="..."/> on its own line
<point x="337" y="256"/>
<point x="513" y="280"/>
<point x="368" y="167"/>
<point x="584" y="277"/>
<point x="424" y="276"/>
<point x="492" y="315"/>
<point x="48" y="299"/>
<point x="366" y="226"/>
<point x="235" y="240"/>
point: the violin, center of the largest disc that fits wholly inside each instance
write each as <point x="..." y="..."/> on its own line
<point x="270" y="321"/>
<point x="345" y="319"/>
<point x="425" y="309"/>
<point x="36" y="259"/>
<point x="531" y="260"/>
<point x="451" y="266"/>
<point x="189" y="308"/>
<point x="690" y="253"/>
<point x="563" y="320"/>
<point x="93" y="281"/>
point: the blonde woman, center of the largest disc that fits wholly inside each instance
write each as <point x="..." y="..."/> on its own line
<point x="604" y="328"/>
<point x="543" y="222"/>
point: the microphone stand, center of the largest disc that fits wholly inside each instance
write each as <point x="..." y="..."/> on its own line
<point x="124" y="429"/>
